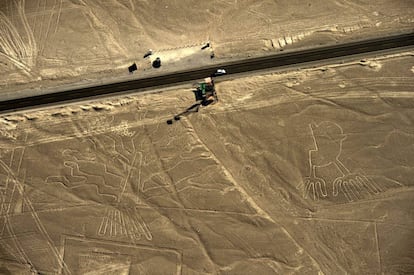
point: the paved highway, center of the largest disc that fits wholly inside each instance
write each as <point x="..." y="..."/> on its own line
<point x="246" y="65"/>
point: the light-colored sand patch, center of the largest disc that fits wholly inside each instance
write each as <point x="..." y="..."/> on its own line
<point x="174" y="55"/>
<point x="372" y="64"/>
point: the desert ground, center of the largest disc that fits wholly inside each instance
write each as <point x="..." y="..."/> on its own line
<point x="45" y="43"/>
<point x="292" y="172"/>
<point x="299" y="172"/>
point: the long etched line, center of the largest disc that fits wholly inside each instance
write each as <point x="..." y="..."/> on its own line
<point x="378" y="247"/>
<point x="124" y="184"/>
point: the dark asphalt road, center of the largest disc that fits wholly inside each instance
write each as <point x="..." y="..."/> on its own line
<point x="260" y="63"/>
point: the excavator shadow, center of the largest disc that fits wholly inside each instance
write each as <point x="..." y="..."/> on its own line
<point x="205" y="94"/>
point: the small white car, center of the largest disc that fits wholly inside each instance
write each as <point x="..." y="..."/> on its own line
<point x="220" y="72"/>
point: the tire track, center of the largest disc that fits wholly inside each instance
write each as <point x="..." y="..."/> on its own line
<point x="39" y="224"/>
<point x="46" y="35"/>
<point x="12" y="43"/>
<point x="59" y="12"/>
<point x="262" y="213"/>
<point x="102" y="30"/>
<point x="31" y="49"/>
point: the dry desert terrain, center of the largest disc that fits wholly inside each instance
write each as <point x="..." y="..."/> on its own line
<point x="301" y="172"/>
<point x="45" y="43"/>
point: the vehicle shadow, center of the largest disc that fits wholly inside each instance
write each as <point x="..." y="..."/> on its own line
<point x="201" y="100"/>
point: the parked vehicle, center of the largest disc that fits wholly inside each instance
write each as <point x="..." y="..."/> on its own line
<point x="148" y="53"/>
<point x="156" y="63"/>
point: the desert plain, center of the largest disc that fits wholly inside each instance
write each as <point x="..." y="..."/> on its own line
<point x="49" y="43"/>
<point x="294" y="171"/>
<point x="301" y="172"/>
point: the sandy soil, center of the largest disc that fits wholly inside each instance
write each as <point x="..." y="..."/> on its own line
<point x="304" y="172"/>
<point x="52" y="42"/>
